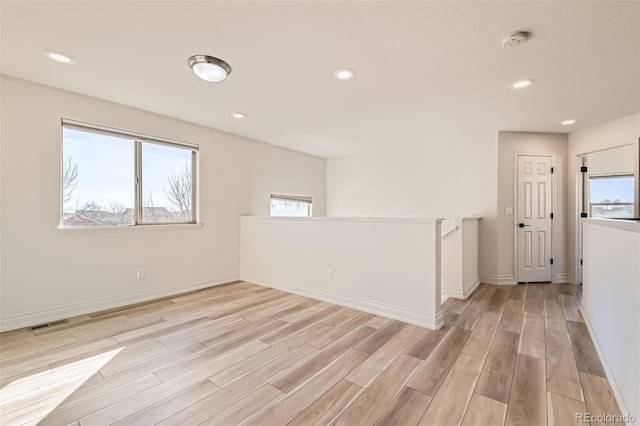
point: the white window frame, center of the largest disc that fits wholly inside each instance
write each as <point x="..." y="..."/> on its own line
<point x="137" y="139"/>
<point x="298" y="198"/>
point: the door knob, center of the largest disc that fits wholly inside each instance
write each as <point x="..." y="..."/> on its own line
<point x="522" y="225"/>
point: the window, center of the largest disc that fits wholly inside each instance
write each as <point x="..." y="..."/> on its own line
<point x="611" y="196"/>
<point x="290" y="205"/>
<point x="167" y="176"/>
<point x="111" y="178"/>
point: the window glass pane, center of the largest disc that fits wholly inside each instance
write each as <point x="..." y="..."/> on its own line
<point x="601" y="211"/>
<point x="98" y="179"/>
<point x="611" y="189"/>
<point x="166" y="184"/>
<point x="281" y="207"/>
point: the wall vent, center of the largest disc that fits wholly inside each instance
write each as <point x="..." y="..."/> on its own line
<point x="48" y="324"/>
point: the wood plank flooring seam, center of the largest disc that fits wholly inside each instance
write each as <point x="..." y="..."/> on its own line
<point x="389" y="404"/>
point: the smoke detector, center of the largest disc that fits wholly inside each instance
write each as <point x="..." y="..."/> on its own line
<point x="514" y="39"/>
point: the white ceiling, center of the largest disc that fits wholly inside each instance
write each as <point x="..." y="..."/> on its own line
<point x="423" y="68"/>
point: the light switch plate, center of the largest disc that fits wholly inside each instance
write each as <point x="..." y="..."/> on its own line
<point x="508" y="211"/>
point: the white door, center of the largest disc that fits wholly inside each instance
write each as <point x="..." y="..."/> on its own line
<point x="534" y="223"/>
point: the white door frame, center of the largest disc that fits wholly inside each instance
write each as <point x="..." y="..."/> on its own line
<point x="515" y="207"/>
<point x="579" y="188"/>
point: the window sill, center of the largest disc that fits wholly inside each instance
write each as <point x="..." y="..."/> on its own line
<point x="168" y="226"/>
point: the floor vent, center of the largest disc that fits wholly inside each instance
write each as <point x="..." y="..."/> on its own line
<point x="48" y="324"/>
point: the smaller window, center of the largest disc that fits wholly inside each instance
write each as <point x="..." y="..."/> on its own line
<point x="290" y="206"/>
<point x="611" y="196"/>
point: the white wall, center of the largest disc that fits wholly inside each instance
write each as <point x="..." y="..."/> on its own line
<point x="605" y="135"/>
<point x="453" y="175"/>
<point x="459" y="268"/>
<point x="615" y="133"/>
<point x="449" y="174"/>
<point x="470" y="277"/>
<point x="510" y="143"/>
<point x="611" y="302"/>
<point x="47" y="273"/>
<point x="451" y="261"/>
<point x="390" y="267"/>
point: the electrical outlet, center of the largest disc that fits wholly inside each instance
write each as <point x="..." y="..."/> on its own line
<point x="140" y="273"/>
<point x="329" y="274"/>
<point x="508" y="211"/>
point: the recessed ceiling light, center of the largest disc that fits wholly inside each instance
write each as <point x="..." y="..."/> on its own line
<point x="569" y="122"/>
<point x="344" y="74"/>
<point x="209" y="68"/>
<point x="59" y="57"/>
<point x="521" y="84"/>
<point x="238" y="115"/>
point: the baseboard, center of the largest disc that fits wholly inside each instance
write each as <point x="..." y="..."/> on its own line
<point x="617" y="392"/>
<point x="434" y="322"/>
<point x="67" y="311"/>
<point x="465" y="292"/>
<point x="511" y="280"/>
<point x="444" y="295"/>
<point x="470" y="287"/>
<point x="454" y="292"/>
<point x="498" y="279"/>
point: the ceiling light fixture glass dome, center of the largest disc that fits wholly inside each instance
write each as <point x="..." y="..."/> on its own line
<point x="209" y="68"/>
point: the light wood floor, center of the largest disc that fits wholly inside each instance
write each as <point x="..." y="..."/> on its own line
<point x="242" y="353"/>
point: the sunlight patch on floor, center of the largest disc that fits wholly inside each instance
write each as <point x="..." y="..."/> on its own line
<point x="45" y="392"/>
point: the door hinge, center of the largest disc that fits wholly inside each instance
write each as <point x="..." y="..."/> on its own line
<point x="583" y="169"/>
<point x="584" y="215"/>
<point x="551" y="215"/>
<point x="552" y="170"/>
<point x="580" y="262"/>
<point x="552" y="260"/>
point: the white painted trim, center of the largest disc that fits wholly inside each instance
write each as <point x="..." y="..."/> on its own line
<point x="346" y="219"/>
<point x="561" y="278"/>
<point x="67" y="311"/>
<point x="625" y="225"/>
<point x="148" y="227"/>
<point x="465" y="292"/>
<point x="434" y="322"/>
<point x="444" y="295"/>
<point x="617" y="391"/>
<point x="498" y="279"/>
<point x="454" y="292"/>
<point x="87" y="126"/>
<point x="450" y="233"/>
<point x="470" y="287"/>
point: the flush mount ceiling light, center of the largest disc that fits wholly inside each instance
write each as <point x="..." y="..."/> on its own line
<point x="209" y="68"/>
<point x="344" y="74"/>
<point x="59" y="57"/>
<point x="569" y="122"/>
<point x="521" y="84"/>
<point x="514" y="39"/>
<point x="238" y="115"/>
